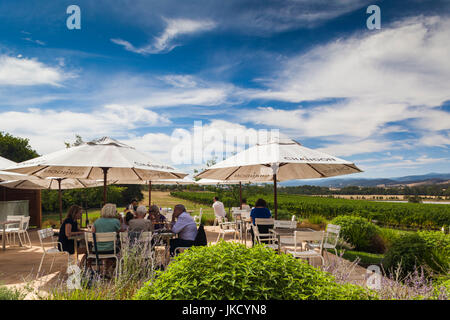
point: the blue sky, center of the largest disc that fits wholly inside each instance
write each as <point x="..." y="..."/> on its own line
<point x="140" y="70"/>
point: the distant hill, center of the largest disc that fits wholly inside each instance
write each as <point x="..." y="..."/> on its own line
<point x="416" y="180"/>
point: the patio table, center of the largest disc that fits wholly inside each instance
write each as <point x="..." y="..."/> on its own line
<point x="165" y="235"/>
<point x="286" y="232"/>
<point x="4" y="223"/>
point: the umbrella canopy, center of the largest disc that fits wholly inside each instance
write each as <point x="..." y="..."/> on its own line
<point x="50" y="184"/>
<point x="279" y="159"/>
<point x="104" y="158"/>
<point x="4" y="175"/>
<point x="206" y="182"/>
<point x="87" y="160"/>
<point x="184" y="181"/>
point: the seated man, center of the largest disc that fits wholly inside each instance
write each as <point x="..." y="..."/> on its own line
<point x="185" y="227"/>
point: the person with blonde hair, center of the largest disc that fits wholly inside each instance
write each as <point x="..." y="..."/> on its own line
<point x="108" y="222"/>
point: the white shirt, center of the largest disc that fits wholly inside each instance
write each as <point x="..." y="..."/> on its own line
<point x="219" y="209"/>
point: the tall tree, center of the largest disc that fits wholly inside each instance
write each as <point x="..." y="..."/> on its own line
<point x="15" y="148"/>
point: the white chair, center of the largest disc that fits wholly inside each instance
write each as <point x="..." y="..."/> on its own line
<point x="264" y="222"/>
<point x="284" y="224"/>
<point x="198" y="219"/>
<point x="306" y="236"/>
<point x="55" y="250"/>
<point x="102" y="237"/>
<point x="331" y="238"/>
<point x="294" y="218"/>
<point x="219" y="219"/>
<point x="23" y="230"/>
<point x="13" y="228"/>
<point x="270" y="241"/>
<point x="227" y="228"/>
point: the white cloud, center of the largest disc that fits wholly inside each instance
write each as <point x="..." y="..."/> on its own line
<point x="48" y="129"/>
<point x="405" y="163"/>
<point x="28" y="72"/>
<point x="353" y="147"/>
<point x="165" y="42"/>
<point x="406" y="63"/>
<point x="378" y="83"/>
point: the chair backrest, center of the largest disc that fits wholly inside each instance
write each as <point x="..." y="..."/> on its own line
<point x="312" y="236"/>
<point x="146" y="236"/>
<point x="285" y="224"/>
<point x="245" y="214"/>
<point x="293" y="218"/>
<point x="123" y="238"/>
<point x="100" y="237"/>
<point x="333" y="231"/>
<point x="45" y="234"/>
<point x="225" y="225"/>
<point x="25" y="223"/>
<point x="264" y="221"/>
<point x="17" y="221"/>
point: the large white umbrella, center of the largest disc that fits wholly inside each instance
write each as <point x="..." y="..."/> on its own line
<point x="104" y="158"/>
<point x="4" y="175"/>
<point x="52" y="184"/>
<point x="279" y="159"/>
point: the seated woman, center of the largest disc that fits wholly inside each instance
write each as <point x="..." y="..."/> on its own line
<point x="139" y="224"/>
<point x="108" y="222"/>
<point x="260" y="211"/>
<point x="185" y="227"/>
<point x="69" y="228"/>
<point x="156" y="217"/>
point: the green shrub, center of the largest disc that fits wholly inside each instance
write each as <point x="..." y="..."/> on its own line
<point x="283" y="214"/>
<point x="359" y="232"/>
<point x="410" y="252"/>
<point x="390" y="235"/>
<point x="232" y="271"/>
<point x="317" y="219"/>
<point x="11" y="293"/>
<point x="439" y="243"/>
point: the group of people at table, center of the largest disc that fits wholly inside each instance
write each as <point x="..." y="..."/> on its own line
<point x="138" y="219"/>
<point x="135" y="219"/>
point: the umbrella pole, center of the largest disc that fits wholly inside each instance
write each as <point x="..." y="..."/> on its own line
<point x="60" y="200"/>
<point x="240" y="195"/>
<point x="275" y="200"/>
<point x="105" y="176"/>
<point x="149" y="194"/>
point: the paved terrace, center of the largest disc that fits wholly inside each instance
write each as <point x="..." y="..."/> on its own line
<point x="18" y="265"/>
